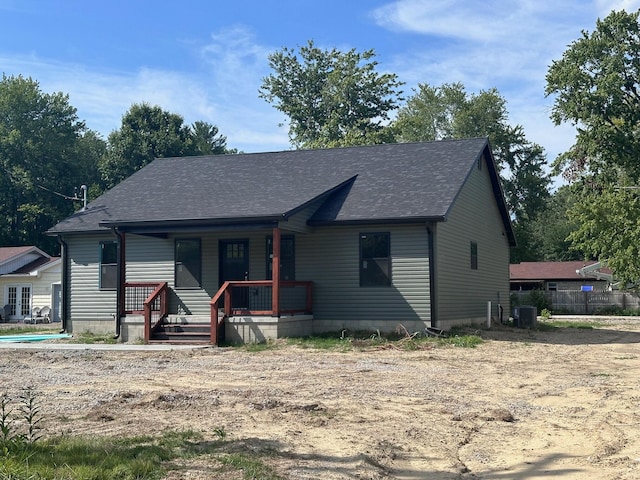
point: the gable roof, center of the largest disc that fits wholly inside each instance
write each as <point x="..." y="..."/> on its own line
<point x="377" y="183"/>
<point x="17" y="260"/>
<point x="541" y="271"/>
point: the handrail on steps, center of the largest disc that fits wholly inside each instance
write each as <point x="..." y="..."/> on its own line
<point x="156" y="303"/>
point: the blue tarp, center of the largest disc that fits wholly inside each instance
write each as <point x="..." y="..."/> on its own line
<point x="32" y="337"/>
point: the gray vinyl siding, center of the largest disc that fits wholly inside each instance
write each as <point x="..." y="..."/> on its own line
<point x="330" y="257"/>
<point x="327" y="256"/>
<point x="463" y="293"/>
<point x="88" y="302"/>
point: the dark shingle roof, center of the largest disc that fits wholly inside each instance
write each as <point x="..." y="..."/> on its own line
<point x="378" y="182"/>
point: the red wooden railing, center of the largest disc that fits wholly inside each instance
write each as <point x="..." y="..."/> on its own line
<point x="253" y="297"/>
<point x="149" y="299"/>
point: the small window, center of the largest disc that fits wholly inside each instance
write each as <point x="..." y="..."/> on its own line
<point x="375" y="259"/>
<point x="287" y="258"/>
<point x="474" y="256"/>
<point x="108" y="265"/>
<point x="188" y="263"/>
<point x="552" y="286"/>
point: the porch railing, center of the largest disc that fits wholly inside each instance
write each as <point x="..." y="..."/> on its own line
<point x="148" y="299"/>
<point x="254" y="297"/>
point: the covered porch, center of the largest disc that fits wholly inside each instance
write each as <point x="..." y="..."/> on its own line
<point x="240" y="310"/>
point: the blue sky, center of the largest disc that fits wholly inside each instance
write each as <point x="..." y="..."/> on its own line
<point x="205" y="60"/>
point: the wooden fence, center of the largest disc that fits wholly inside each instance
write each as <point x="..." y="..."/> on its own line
<point x="577" y="302"/>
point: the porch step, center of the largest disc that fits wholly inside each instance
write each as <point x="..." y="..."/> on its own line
<point x="182" y="333"/>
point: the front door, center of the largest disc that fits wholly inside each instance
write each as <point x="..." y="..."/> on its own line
<point x="18" y="301"/>
<point x="234" y="265"/>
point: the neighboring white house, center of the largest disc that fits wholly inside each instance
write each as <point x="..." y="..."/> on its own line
<point x="29" y="278"/>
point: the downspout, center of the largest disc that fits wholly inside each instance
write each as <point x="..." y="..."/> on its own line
<point x="121" y="279"/>
<point x="432" y="275"/>
<point x="65" y="281"/>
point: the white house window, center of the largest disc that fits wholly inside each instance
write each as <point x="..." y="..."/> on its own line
<point x="552" y="286"/>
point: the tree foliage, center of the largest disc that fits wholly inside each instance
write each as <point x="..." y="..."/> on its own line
<point x="595" y="87"/>
<point x="331" y="98"/>
<point x="148" y="132"/>
<point x="448" y="111"/>
<point x="45" y="151"/>
<point x="553" y="226"/>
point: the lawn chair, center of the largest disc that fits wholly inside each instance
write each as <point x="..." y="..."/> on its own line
<point x="35" y="313"/>
<point x="45" y="313"/>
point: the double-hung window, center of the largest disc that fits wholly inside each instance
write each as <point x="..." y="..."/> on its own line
<point x="188" y="263"/>
<point x="375" y="259"/>
<point x="108" y="265"/>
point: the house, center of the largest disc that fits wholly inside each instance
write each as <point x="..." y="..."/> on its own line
<point x="29" y="278"/>
<point x="291" y="243"/>
<point x="556" y="276"/>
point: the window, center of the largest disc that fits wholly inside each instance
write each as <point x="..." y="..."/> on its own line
<point x="375" y="259"/>
<point x="108" y="265"/>
<point x="188" y="265"/>
<point x="552" y="286"/>
<point x="287" y="258"/>
<point x="474" y="256"/>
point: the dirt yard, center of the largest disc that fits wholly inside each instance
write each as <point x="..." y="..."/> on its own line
<point x="522" y="405"/>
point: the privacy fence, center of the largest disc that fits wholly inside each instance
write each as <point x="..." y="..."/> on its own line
<point x="579" y="303"/>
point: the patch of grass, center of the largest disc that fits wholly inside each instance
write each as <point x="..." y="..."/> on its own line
<point x="123" y="458"/>
<point x="346" y="341"/>
<point x="551" y="324"/>
<point x="259" y="346"/>
<point x="90" y="337"/>
<point x="250" y="466"/>
<point x="24" y="329"/>
<point x="465" y="341"/>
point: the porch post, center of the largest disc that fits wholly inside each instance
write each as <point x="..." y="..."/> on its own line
<point x="121" y="272"/>
<point x="275" y="277"/>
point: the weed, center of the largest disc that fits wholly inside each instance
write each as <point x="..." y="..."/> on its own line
<point x="30" y="411"/>
<point x="220" y="432"/>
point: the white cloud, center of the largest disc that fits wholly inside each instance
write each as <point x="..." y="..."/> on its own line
<point x="606" y="6"/>
<point x="497" y="43"/>
<point x="224" y="92"/>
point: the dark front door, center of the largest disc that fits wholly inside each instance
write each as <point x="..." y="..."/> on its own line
<point x="234" y="265"/>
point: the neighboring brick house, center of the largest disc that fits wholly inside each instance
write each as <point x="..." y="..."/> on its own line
<point x="556" y="276"/>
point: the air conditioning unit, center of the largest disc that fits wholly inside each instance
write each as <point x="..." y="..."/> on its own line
<point x="525" y="316"/>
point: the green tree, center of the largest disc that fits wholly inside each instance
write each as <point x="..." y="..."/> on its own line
<point x="148" y="132"/>
<point x="553" y="226"/>
<point x="45" y="151"/>
<point x="448" y="111"/>
<point x="595" y="86"/>
<point x="331" y="98"/>
<point x="206" y="140"/>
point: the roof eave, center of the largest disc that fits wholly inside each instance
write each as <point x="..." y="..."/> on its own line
<point x="378" y="221"/>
